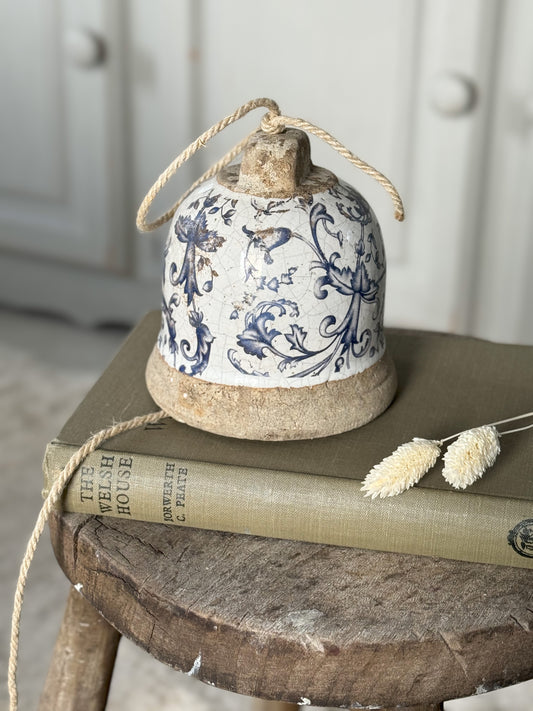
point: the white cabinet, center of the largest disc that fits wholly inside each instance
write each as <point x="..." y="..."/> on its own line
<point x="503" y="295"/>
<point x="62" y="157"/>
<point x="99" y="96"/>
<point x="65" y="190"/>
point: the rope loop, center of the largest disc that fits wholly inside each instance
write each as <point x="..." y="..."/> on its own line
<point x="273" y="122"/>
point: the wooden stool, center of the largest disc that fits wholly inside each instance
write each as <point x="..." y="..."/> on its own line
<point x="283" y="620"/>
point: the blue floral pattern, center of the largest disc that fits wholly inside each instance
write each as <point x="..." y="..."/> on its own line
<point x="281" y="291"/>
<point x="193" y="232"/>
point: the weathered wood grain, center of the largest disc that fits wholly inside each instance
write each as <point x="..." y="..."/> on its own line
<point x="82" y="662"/>
<point x="290" y="621"/>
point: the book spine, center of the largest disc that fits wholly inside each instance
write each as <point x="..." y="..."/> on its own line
<point x="306" y="507"/>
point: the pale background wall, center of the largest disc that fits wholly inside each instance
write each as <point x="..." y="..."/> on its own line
<point x="99" y="95"/>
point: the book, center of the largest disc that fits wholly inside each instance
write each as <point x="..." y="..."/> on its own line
<point x="310" y="490"/>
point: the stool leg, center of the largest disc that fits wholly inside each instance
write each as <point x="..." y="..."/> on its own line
<point x="82" y="662"/>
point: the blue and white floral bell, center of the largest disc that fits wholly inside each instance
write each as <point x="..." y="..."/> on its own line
<point x="273" y="297"/>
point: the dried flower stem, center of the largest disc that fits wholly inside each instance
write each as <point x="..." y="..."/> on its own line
<point x="493" y="424"/>
<point x="518" y="429"/>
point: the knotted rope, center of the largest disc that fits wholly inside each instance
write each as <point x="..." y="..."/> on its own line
<point x="272" y="122"/>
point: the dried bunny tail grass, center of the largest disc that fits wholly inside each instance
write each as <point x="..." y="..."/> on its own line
<point x="402" y="469"/>
<point x="470" y="456"/>
<point x="467" y="459"/>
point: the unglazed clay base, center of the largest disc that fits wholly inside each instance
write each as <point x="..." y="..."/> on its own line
<point x="272" y="413"/>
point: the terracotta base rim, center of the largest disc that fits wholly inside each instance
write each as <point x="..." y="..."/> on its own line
<point x="272" y="413"/>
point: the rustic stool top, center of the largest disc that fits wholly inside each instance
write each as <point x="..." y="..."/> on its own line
<point x="299" y="621"/>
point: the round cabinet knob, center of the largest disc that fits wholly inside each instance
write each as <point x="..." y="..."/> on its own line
<point x="84" y="48"/>
<point x="453" y="95"/>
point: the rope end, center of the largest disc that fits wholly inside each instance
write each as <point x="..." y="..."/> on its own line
<point x="399" y="214"/>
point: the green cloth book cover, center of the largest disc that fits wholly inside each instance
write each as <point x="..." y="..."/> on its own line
<point x="311" y="489"/>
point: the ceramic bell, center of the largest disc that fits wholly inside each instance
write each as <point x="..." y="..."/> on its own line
<point x="273" y="297"/>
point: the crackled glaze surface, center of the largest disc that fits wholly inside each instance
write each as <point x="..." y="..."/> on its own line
<point x="273" y="292"/>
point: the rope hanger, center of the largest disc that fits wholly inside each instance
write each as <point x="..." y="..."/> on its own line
<point x="273" y="122"/>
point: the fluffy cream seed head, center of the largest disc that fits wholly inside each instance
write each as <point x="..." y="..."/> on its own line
<point x="402" y="469"/>
<point x="470" y="456"/>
